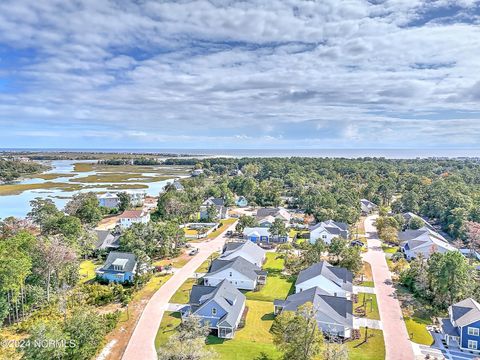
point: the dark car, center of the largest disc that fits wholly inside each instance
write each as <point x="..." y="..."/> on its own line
<point x="357" y="243"/>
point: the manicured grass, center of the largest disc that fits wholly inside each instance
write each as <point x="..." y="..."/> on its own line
<point x="177" y="262"/>
<point x="151" y="286"/>
<point x="278" y="286"/>
<point x="254" y="340"/>
<point x="182" y="294"/>
<point x="389" y="249"/>
<point x="87" y="271"/>
<point x="206" y="264"/>
<point x="367" y="276"/>
<point x="367" y="284"/>
<point x="225" y="224"/>
<point x="170" y="321"/>
<point x="417" y="330"/>
<point x="373" y="349"/>
<point x="370" y="306"/>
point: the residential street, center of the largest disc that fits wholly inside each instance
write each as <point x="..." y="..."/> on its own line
<point x="397" y="342"/>
<point x="141" y="344"/>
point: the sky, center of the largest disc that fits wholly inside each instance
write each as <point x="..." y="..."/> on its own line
<point x="240" y="74"/>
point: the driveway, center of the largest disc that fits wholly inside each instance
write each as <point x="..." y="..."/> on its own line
<point x="141" y="344"/>
<point x="397" y="342"/>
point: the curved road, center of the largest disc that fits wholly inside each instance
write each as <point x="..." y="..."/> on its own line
<point x="397" y="342"/>
<point x="141" y="344"/>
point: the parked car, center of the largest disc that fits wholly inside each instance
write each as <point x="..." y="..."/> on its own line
<point x="357" y="243"/>
<point x="193" y="252"/>
<point x="229" y="233"/>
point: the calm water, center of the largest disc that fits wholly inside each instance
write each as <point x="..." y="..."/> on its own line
<point x="19" y="205"/>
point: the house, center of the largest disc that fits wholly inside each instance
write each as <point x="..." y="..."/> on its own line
<point x="106" y="240"/>
<point x="327" y="230"/>
<point x="247" y="250"/>
<point x="239" y="272"/>
<point x="176" y="185"/>
<point x="262" y="235"/>
<point x="278" y="212"/>
<point x="236" y="172"/>
<point x="367" y="206"/>
<point x="108" y="200"/>
<point x="462" y="327"/>
<point x="197" y="172"/>
<point x="333" y="314"/>
<point x="130" y="217"/>
<point x="266" y="221"/>
<point x="221" y="307"/>
<point x="408" y="216"/>
<point x="241" y="201"/>
<point x="119" y="267"/>
<point x="424" y="242"/>
<point x="218" y="203"/>
<point x="335" y="281"/>
<point x="137" y="198"/>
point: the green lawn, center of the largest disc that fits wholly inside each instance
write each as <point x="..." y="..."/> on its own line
<point x="371" y="306"/>
<point x="389" y="249"/>
<point x="182" y="294"/>
<point x="417" y="330"/>
<point x="366" y="275"/>
<point x="225" y="224"/>
<point x="87" y="271"/>
<point x="254" y="340"/>
<point x="206" y="264"/>
<point x="167" y="327"/>
<point x="278" y="286"/>
<point x="373" y="349"/>
<point x="367" y="284"/>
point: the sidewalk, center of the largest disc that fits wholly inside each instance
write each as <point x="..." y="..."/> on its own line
<point x="397" y="342"/>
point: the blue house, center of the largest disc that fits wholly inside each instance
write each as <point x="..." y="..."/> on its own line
<point x="241" y="202"/>
<point x="221" y="307"/>
<point x="462" y="327"/>
<point x="262" y="235"/>
<point x="119" y="267"/>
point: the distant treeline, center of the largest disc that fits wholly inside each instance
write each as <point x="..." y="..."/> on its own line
<point x="13" y="169"/>
<point x="137" y="161"/>
<point x="74" y="155"/>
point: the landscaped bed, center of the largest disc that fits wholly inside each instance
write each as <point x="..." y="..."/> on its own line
<point x="370" y="307"/>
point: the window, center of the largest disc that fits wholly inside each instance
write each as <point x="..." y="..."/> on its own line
<point x="324" y="236"/>
<point x="230" y="273"/>
<point x="214" y="311"/>
<point x="473" y="331"/>
<point x="472" y="344"/>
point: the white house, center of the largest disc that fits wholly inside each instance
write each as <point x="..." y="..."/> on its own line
<point x="277" y="213"/>
<point x="130" y="217"/>
<point x="218" y="203"/>
<point x="247" y="250"/>
<point x="327" y="230"/>
<point x="239" y="272"/>
<point x="137" y="197"/>
<point x="108" y="200"/>
<point x="335" y="281"/>
<point x="424" y="242"/>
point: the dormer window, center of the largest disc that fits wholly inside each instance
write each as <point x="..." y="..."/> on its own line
<point x="214" y="311"/>
<point x="119" y="264"/>
<point x="230" y="273"/>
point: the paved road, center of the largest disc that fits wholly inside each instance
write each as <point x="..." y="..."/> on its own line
<point x="397" y="342"/>
<point x="141" y="344"/>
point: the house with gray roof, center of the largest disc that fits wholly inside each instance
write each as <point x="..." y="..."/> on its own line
<point x="327" y="230"/>
<point x="367" y="206"/>
<point x="106" y="240"/>
<point x="120" y="267"/>
<point x="333" y="313"/>
<point x="220" y="306"/>
<point x="245" y="249"/>
<point x="333" y="280"/>
<point x="462" y="327"/>
<point x="239" y="272"/>
<point x="277" y="213"/>
<point x="422" y="242"/>
<point x="220" y="207"/>
<point x="261" y="234"/>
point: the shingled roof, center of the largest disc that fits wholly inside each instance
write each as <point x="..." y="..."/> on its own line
<point x="340" y="276"/>
<point x="465" y="312"/>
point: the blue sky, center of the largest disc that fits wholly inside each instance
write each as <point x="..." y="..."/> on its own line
<point x="240" y="74"/>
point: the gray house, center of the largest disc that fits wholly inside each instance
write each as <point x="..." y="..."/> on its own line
<point x="239" y="272"/>
<point x="333" y="314"/>
<point x="220" y="306"/>
<point x="106" y="240"/>
<point x="247" y="250"/>
<point x="333" y="280"/>
<point x="328" y="230"/>
<point x="218" y="203"/>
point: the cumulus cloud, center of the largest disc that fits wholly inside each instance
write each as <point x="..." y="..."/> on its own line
<point x="345" y="73"/>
